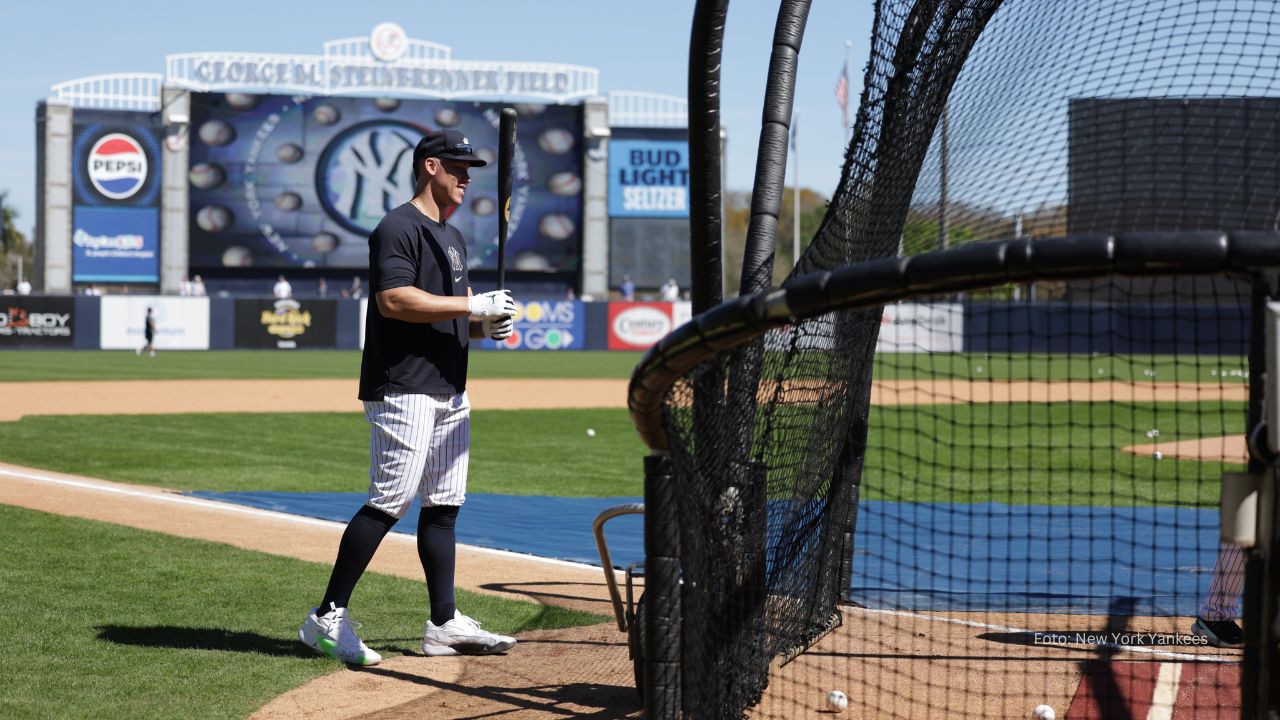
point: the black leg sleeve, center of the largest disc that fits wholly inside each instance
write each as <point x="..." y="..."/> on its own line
<point x="436" y="541"/>
<point x="359" y="542"/>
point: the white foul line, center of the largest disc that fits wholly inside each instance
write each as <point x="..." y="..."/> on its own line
<point x="1166" y="692"/>
<point x="269" y="514"/>
<point x="1129" y="648"/>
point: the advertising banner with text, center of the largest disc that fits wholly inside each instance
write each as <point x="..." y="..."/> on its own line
<point x="545" y="325"/>
<point x="35" y="322"/>
<point x="115" y="178"/>
<point x="286" y="324"/>
<point x="181" y="323"/>
<point x="638" y="325"/>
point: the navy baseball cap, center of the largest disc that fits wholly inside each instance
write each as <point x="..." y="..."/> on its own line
<point x="446" y="144"/>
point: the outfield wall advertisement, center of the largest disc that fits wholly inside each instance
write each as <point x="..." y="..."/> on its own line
<point x="36" y="322"/>
<point x="545" y="325"/>
<point x="115" y="176"/>
<point x="181" y="323"/>
<point x="638" y="325"/>
<point x="286" y="324"/>
<point x="922" y="327"/>
<point x="280" y="181"/>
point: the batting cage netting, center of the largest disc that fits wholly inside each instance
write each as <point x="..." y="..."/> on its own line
<point x="969" y="459"/>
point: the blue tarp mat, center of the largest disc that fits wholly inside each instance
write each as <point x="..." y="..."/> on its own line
<point x="550" y="527"/>
<point x="1033" y="558"/>
<point x="908" y="556"/>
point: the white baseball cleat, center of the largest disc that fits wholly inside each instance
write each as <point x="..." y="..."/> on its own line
<point x="334" y="635"/>
<point x="462" y="636"/>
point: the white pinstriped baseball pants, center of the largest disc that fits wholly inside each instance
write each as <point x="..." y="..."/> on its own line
<point x="418" y="446"/>
<point x="1226" y="584"/>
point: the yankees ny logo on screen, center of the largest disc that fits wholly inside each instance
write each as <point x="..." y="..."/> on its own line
<point x="366" y="171"/>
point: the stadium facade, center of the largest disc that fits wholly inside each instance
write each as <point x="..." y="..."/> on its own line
<point x="239" y="166"/>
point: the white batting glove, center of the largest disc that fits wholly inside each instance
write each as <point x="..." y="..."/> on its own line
<point x="499" y="328"/>
<point x="492" y="304"/>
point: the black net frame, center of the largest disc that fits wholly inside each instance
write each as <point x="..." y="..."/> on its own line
<point x="956" y="140"/>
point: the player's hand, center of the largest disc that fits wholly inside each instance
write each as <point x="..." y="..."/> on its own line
<point x="492" y="304"/>
<point x="499" y="328"/>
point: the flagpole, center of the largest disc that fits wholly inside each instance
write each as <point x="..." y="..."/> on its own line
<point x="795" y="175"/>
<point x="848" y="63"/>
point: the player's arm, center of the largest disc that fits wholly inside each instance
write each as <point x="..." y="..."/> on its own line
<point x="399" y="299"/>
<point x="411" y="304"/>
<point x="475" y="328"/>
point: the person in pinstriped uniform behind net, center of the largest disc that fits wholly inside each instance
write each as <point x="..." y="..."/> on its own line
<point x="413" y="384"/>
<point x="1216" y="620"/>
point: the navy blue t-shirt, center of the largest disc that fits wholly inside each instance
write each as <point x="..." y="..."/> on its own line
<point x="410" y="249"/>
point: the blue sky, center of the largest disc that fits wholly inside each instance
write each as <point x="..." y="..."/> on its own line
<point x="636" y="46"/>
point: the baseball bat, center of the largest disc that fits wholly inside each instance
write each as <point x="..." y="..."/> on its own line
<point x="506" y="159"/>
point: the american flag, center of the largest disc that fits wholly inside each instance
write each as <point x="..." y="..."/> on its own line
<point x="842" y="93"/>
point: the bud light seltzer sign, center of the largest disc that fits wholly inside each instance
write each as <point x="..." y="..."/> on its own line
<point x="649" y="178"/>
<point x="116" y="187"/>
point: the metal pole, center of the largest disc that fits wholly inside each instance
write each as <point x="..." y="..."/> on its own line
<point x="848" y="65"/>
<point x="942" y="197"/>
<point x="795" y="174"/>
<point x="662" y="590"/>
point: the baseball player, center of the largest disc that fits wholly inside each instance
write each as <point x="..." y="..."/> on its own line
<point x="149" y="332"/>
<point x="1216" y="620"/>
<point x="413" y="383"/>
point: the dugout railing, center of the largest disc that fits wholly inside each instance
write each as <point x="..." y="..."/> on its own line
<point x="869" y="286"/>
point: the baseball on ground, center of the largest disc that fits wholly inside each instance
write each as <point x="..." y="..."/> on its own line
<point x="1043" y="712"/>
<point x="837" y="700"/>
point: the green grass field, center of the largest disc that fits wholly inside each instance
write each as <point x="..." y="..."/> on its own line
<point x="133" y="624"/>
<point x="959" y="453"/>
<point x="103" y="365"/>
<point x="88" y="365"/>
<point x="516" y="452"/>
<point x="1041" y="453"/>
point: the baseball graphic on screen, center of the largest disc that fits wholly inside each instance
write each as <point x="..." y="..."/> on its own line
<point x="556" y="226"/>
<point x="289" y="153"/>
<point x="216" y="133"/>
<point x="241" y="101"/>
<point x="387" y="104"/>
<point x="324" y="242"/>
<point x="326" y="114"/>
<point x="214" y="218"/>
<point x="565" y="184"/>
<point x="206" y="176"/>
<point x="556" y="141"/>
<point x="236" y="256"/>
<point x="484" y="206"/>
<point x="447" y="117"/>
<point x="288" y="201"/>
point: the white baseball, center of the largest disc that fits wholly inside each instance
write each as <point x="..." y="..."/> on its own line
<point x="1157" y="455"/>
<point x="837" y="700"/>
<point x="591" y="432"/>
<point x="387" y="104"/>
<point x="1043" y="712"/>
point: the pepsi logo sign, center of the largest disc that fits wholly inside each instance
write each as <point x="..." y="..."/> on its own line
<point x="117" y="166"/>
